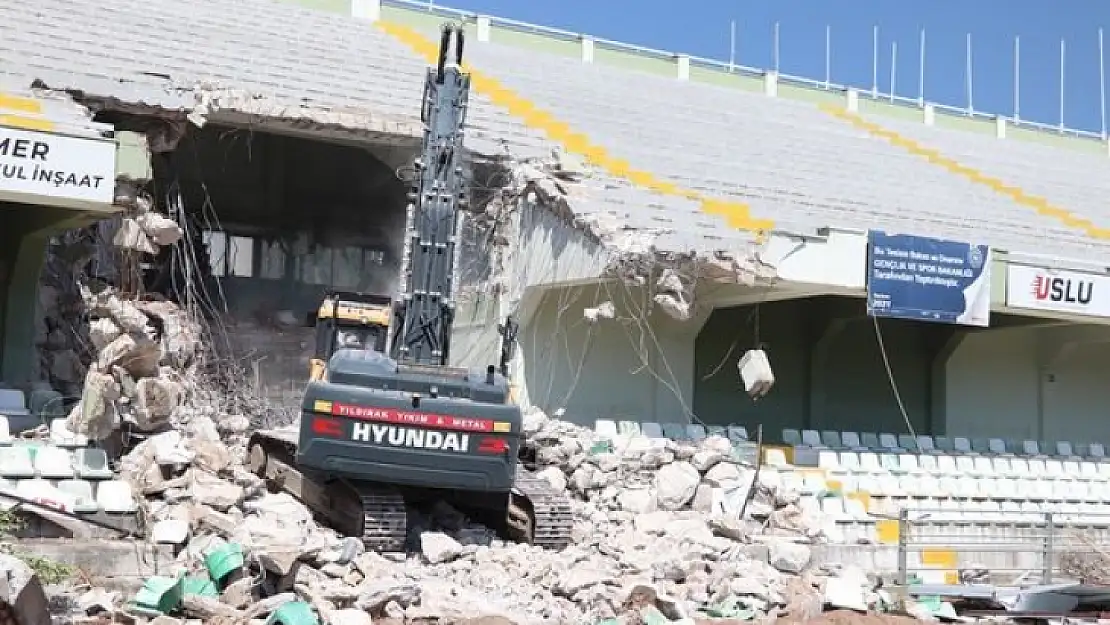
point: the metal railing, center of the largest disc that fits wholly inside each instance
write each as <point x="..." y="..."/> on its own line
<point x="868" y="92"/>
<point x="1000" y="548"/>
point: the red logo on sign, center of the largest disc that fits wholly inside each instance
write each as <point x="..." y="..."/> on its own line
<point x="407" y="417"/>
<point x="1068" y="290"/>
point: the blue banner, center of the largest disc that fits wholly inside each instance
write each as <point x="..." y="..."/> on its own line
<point x="927" y="279"/>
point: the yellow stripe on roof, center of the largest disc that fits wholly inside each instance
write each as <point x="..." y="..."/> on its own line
<point x="736" y="214"/>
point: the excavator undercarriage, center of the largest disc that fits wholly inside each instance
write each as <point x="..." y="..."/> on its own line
<point x="533" y="512"/>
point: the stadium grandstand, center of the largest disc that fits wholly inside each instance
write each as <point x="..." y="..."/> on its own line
<point x="741" y="210"/>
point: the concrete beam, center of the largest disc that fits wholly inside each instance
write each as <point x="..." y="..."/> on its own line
<point x="547" y="251"/>
<point x="1058" y="343"/>
<point x="105" y="558"/>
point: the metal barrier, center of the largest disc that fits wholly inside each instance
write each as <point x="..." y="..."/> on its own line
<point x="938" y="546"/>
<point x="871" y="92"/>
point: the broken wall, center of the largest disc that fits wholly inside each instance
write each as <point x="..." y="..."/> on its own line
<point x="279" y="221"/>
<point x="62" y="334"/>
<point x="632" y="362"/>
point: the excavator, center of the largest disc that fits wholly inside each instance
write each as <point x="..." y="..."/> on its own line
<point x="386" y="425"/>
<point x="349" y="319"/>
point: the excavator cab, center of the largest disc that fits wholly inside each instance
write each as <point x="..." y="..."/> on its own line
<point x="348" y="320"/>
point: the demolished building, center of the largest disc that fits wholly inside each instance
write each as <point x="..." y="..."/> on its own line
<point x="640" y="251"/>
<point x="281" y="194"/>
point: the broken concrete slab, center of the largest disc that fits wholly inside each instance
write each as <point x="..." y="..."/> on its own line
<point x="24" y="592"/>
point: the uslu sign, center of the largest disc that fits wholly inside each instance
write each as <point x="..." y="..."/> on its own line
<point x="61" y="168"/>
<point x="1037" y="288"/>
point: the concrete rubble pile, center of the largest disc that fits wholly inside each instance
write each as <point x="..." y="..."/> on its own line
<point x="144" y="368"/>
<point x="62" y="339"/>
<point x="657" y="540"/>
<point x="658" y="536"/>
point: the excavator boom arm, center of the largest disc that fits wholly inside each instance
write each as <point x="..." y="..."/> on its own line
<point x="425" y="312"/>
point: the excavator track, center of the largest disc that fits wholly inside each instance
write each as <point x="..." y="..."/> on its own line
<point x="384" y="519"/>
<point x="536" y="512"/>
<point x="376" y="511"/>
<point x="552" y="523"/>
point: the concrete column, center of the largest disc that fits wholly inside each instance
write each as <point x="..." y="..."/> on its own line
<point x="19" y="354"/>
<point x="524" y="312"/>
<point x="938" y="417"/>
<point x="852" y="97"/>
<point x="674" y="360"/>
<point x="819" y="363"/>
<point x="22" y="302"/>
<point x="483" y="28"/>
<point x="771" y="83"/>
<point x="1000" y="127"/>
<point x="587" y="49"/>
<point x="683" y="63"/>
<point x="929" y="114"/>
<point x="133" y="156"/>
<point x="370" y="10"/>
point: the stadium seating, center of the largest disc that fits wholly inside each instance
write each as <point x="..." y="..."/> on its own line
<point x="1068" y="177"/>
<point x="783" y="157"/>
<point x="62" y="472"/>
<point x="861" y="478"/>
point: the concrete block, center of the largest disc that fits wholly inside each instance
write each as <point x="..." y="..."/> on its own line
<point x="170" y="532"/>
<point x="587" y="49"/>
<point x="23" y="592"/>
<point x="682" y="62"/>
<point x="852" y="97"/>
<point x="771" y="84"/>
<point x="106" y="558"/>
<point x="370" y="10"/>
<point x="929" y="114"/>
<point x="483" y="27"/>
<point x="1000" y="127"/>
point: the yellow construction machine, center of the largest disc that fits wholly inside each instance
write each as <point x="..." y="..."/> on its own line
<point x="347" y="319"/>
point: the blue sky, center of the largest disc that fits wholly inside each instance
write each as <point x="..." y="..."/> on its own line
<point x="702" y="29"/>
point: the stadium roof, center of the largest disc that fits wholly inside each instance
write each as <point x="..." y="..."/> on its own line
<point x="702" y="165"/>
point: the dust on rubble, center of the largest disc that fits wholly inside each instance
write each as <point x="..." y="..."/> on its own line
<point x="657" y="536"/>
<point x="848" y="617"/>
